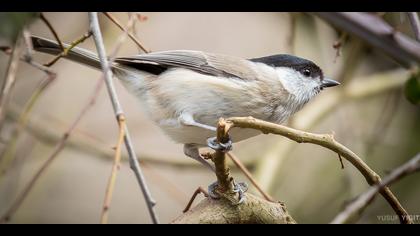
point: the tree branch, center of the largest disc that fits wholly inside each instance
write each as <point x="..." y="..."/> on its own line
<point x="377" y="33"/>
<point x="415" y="24"/>
<point x="115" y="168"/>
<point x="95" y="29"/>
<point x="49" y="25"/>
<point x="252" y="211"/>
<point x="10" y="78"/>
<point x="356" y="207"/>
<point x="132" y="37"/>
<point x="224" y="180"/>
<point x="67" y="50"/>
<point x="326" y="141"/>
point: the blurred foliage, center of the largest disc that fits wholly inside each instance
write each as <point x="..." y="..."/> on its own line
<point x="412" y="89"/>
<point x="11" y="23"/>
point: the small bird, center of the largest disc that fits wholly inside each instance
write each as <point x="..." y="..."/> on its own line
<point x="185" y="92"/>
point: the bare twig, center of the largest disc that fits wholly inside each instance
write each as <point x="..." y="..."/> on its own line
<point x="244" y="170"/>
<point x="10" y="78"/>
<point x="121" y="124"/>
<point x="96" y="32"/>
<point x="49" y="25"/>
<point x="356" y="207"/>
<point x="23" y="118"/>
<point x="378" y="33"/>
<point x="132" y="37"/>
<point x="222" y="171"/>
<point x="196" y="192"/>
<point x="60" y="145"/>
<point x="29" y="48"/>
<point x="326" y="141"/>
<point x="115" y="168"/>
<point x="415" y="24"/>
<point x="68" y="49"/>
<point x="9" y="153"/>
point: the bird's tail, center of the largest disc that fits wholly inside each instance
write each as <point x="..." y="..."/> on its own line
<point x="76" y="54"/>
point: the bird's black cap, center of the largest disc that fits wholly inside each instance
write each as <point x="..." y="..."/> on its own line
<point x="297" y="63"/>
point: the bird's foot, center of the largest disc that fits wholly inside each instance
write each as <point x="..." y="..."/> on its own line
<point x="239" y="188"/>
<point x="215" y="145"/>
<point x="212" y="190"/>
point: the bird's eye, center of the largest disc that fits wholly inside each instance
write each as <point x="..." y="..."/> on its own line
<point x="307" y="72"/>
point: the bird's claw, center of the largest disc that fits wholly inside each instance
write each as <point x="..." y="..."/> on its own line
<point x="212" y="190"/>
<point x="239" y="188"/>
<point x="215" y="145"/>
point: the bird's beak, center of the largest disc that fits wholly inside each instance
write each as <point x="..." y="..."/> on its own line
<point x="329" y="83"/>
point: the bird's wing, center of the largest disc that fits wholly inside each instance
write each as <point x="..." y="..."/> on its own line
<point x="206" y="63"/>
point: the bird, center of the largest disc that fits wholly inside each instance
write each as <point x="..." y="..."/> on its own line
<point x="185" y="92"/>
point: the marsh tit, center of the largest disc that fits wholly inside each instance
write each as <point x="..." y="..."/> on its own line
<point x="186" y="92"/>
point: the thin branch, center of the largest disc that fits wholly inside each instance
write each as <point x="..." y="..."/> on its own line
<point x="23" y="118"/>
<point x="415" y="24"/>
<point x="356" y="208"/>
<point x="49" y="25"/>
<point x="68" y="49"/>
<point x="244" y="170"/>
<point x="8" y="155"/>
<point x="60" y="145"/>
<point x="377" y="33"/>
<point x="222" y="171"/>
<point x="10" y="78"/>
<point x="132" y="37"/>
<point x="115" y="168"/>
<point x="326" y="141"/>
<point x="196" y="192"/>
<point x="121" y="124"/>
<point x="95" y="29"/>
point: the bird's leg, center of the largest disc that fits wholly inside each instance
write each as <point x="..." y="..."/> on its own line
<point x="191" y="150"/>
<point x="188" y="120"/>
